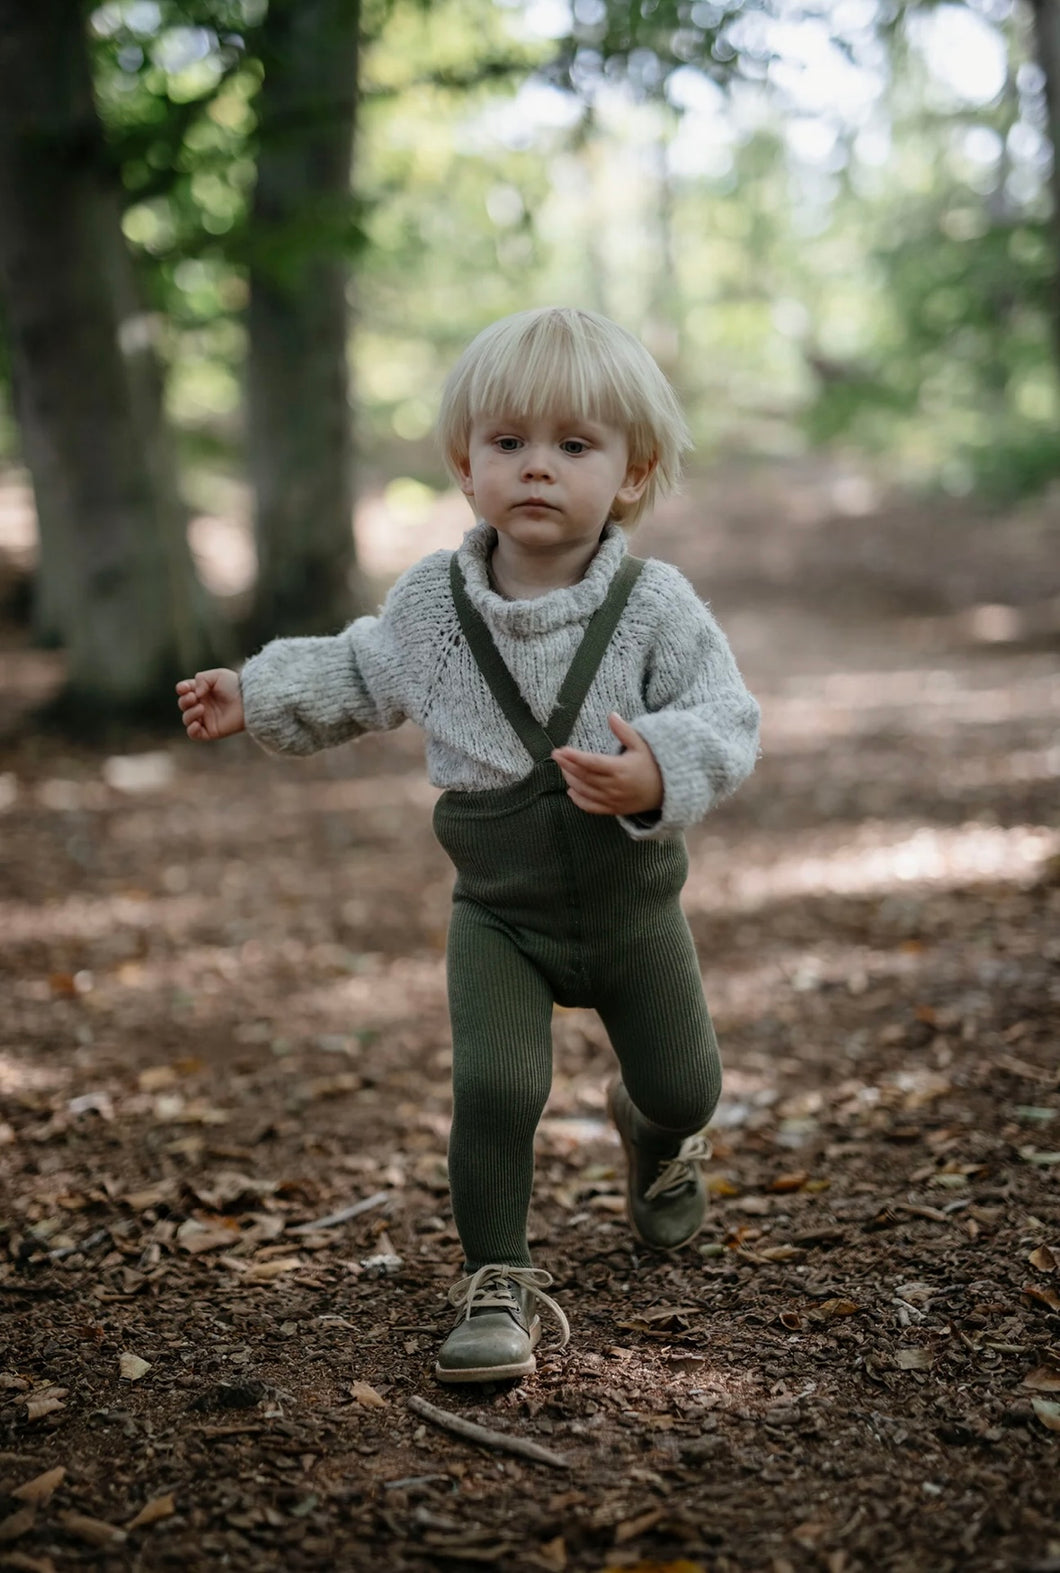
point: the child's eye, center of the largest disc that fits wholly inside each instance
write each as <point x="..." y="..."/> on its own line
<point x="508" y="444"/>
<point x="574" y="445"/>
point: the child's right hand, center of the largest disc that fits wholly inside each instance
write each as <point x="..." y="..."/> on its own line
<point x="212" y="704"/>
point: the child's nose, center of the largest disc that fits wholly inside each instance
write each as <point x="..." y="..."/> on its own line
<point x="536" y="462"/>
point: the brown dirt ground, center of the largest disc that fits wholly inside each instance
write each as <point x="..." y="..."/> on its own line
<point x="223" y="1018"/>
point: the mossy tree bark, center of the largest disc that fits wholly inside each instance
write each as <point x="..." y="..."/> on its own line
<point x="1047" y="48"/>
<point x="117" y="587"/>
<point x="302" y="235"/>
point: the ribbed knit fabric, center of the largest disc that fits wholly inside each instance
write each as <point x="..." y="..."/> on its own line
<point x="553" y="904"/>
<point x="669" y="672"/>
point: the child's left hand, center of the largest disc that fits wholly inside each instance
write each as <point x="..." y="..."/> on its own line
<point x="626" y="783"/>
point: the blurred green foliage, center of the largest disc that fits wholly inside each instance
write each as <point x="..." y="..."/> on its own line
<point x="870" y="267"/>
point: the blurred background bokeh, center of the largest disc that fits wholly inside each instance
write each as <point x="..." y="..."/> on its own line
<point x="241" y="241"/>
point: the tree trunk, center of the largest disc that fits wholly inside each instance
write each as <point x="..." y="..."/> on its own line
<point x="298" y="396"/>
<point x="118" y="588"/>
<point x="1047" y="48"/>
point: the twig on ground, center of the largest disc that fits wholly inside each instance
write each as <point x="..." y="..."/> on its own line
<point x="61" y="1252"/>
<point x="342" y="1217"/>
<point x="214" y="1432"/>
<point x="418" y="1480"/>
<point x="476" y="1433"/>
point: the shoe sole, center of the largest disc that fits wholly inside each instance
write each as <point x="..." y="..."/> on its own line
<point x="493" y="1373"/>
<point x="652" y="1245"/>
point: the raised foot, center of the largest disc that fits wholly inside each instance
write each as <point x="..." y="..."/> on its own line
<point x="666" y="1198"/>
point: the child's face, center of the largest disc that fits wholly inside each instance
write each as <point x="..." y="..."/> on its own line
<point x="547" y="482"/>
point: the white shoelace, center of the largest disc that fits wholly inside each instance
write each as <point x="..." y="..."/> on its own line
<point x="681" y="1168"/>
<point x="490" y="1287"/>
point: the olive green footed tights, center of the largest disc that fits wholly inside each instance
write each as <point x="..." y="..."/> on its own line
<point x="649" y="995"/>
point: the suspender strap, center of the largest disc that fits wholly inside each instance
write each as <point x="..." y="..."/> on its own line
<point x="590" y="652"/>
<point x="502" y="684"/>
<point x="539" y="741"/>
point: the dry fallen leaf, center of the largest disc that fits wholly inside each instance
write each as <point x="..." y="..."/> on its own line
<point x="17" y="1524"/>
<point x="40" y="1488"/>
<point x="552" y="1556"/>
<point x="1044" y="1259"/>
<point x="172" y="1108"/>
<point x="365" y="1394"/>
<point x="229" y="1186"/>
<point x="27" y="1564"/>
<point x="1048" y="1412"/>
<point x="263" y="1272"/>
<point x="195" y="1238"/>
<point x="829" y="1308"/>
<point x="755" y="1206"/>
<point x="685" y="1362"/>
<point x="92" y="1530"/>
<point x="1043" y="1379"/>
<point x="630" y="1528"/>
<point x="1048" y="1297"/>
<point x="809" y="1533"/>
<point x="131" y="1368"/>
<point x="152" y="1196"/>
<point x="151" y="1512"/>
<point x="156" y="1077"/>
<point x="45" y="1404"/>
<point x="606" y="1203"/>
<point x="913" y="1359"/>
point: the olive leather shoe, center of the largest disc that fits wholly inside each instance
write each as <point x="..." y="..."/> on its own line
<point x="498" y="1332"/>
<point x="666" y="1198"/>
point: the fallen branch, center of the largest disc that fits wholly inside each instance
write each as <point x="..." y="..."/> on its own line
<point x="915" y="1211"/>
<point x="476" y="1433"/>
<point x="342" y="1217"/>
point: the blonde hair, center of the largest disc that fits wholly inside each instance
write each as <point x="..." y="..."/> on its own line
<point x="559" y="360"/>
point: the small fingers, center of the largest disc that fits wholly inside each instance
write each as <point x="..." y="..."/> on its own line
<point x="601" y="784"/>
<point x="587" y="796"/>
<point x="590" y="767"/>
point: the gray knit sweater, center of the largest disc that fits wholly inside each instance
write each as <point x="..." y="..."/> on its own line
<point x="668" y="671"/>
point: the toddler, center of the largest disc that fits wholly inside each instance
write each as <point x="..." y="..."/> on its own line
<point x="581" y="708"/>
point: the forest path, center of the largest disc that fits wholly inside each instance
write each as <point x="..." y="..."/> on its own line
<point x="222" y="995"/>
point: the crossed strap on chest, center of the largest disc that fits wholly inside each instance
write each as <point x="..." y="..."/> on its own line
<point x="538" y="740"/>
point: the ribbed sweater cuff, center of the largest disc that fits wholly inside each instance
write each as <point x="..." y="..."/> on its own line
<point x="692" y="784"/>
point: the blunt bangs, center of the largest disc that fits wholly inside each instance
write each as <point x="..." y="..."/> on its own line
<point x="565" y="363"/>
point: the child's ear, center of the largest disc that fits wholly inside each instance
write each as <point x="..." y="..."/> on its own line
<point x="637" y="477"/>
<point x="462" y="465"/>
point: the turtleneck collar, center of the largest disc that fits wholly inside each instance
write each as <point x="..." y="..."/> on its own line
<point x="544" y="613"/>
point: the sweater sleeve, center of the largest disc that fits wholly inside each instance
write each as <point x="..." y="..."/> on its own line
<point x="302" y="695"/>
<point x="699" y="721"/>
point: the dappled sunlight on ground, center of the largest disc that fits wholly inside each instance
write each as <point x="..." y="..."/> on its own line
<point x="870" y="859"/>
<point x="857" y="704"/>
<point x="222" y="994"/>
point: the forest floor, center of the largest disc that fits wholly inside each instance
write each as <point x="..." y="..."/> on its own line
<point x="223" y="1021"/>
